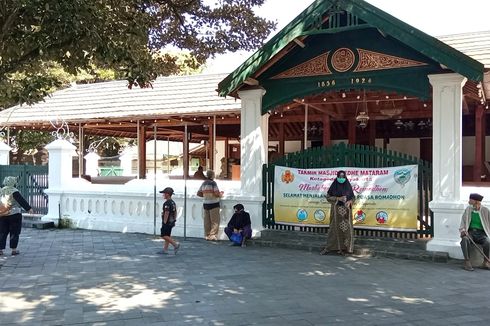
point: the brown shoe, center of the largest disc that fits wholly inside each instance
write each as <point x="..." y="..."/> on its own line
<point x="467" y="266"/>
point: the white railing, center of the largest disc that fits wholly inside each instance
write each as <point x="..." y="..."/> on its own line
<point x="132" y="208"/>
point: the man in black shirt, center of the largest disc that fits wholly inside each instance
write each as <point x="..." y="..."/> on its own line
<point x="239" y="223"/>
<point x="169" y="216"/>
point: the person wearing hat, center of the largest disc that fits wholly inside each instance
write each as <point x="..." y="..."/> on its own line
<point x="475" y="227"/>
<point x="169" y="216"/>
<point x="211" y="194"/>
<point x="11" y="219"/>
<point x="239" y="223"/>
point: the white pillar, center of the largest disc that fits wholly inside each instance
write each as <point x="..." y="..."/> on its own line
<point x="253" y="141"/>
<point x="4" y="153"/>
<point x="253" y="152"/>
<point x="60" y="174"/>
<point x="92" y="164"/>
<point x="126" y="159"/>
<point x="447" y="204"/>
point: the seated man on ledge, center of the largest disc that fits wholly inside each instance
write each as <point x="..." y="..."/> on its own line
<point x="199" y="174"/>
<point x="474" y="229"/>
<point x="240" y="223"/>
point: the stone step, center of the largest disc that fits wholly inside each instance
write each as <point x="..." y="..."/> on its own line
<point x="314" y="242"/>
<point x="38" y="224"/>
<point x="34" y="221"/>
<point x="279" y="235"/>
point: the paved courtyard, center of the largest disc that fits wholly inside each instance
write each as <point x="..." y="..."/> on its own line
<point x="78" y="277"/>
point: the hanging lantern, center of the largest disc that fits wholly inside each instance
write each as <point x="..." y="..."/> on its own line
<point x="362" y="116"/>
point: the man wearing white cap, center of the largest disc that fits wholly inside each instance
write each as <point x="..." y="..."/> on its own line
<point x="475" y="228"/>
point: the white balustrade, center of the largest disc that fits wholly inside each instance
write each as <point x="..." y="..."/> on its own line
<point x="131" y="207"/>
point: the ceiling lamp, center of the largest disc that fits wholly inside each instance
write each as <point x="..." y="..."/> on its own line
<point x="362" y="116"/>
<point x="391" y="111"/>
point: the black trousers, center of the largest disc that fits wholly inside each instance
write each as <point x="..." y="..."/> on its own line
<point x="11" y="224"/>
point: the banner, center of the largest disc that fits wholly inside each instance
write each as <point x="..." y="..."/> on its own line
<point x="386" y="198"/>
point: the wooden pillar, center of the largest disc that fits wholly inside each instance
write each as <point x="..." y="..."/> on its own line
<point x="81" y="167"/>
<point x="386" y="141"/>
<point x="211" y="145"/>
<point x="185" y="153"/>
<point x="327" y="131"/>
<point x="352" y="131"/>
<point x="480" y="128"/>
<point x="227" y="157"/>
<point x="305" y="133"/>
<point x="142" y="151"/>
<point x="282" y="139"/>
<point x="426" y="149"/>
<point x="372" y="132"/>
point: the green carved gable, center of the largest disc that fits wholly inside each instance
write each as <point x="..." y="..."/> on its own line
<point x="348" y="60"/>
<point x="348" y="44"/>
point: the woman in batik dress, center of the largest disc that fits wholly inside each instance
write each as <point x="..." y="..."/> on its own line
<point x="340" y="236"/>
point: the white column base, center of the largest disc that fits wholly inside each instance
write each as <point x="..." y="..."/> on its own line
<point x="453" y="248"/>
<point x="53" y="209"/>
<point x="447" y="218"/>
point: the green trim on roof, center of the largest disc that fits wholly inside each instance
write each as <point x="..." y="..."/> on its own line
<point x="418" y="40"/>
<point x="374" y="17"/>
<point x="292" y="30"/>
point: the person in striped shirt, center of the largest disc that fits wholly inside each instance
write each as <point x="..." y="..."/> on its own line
<point x="211" y="194"/>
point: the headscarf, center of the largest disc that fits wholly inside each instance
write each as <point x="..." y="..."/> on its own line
<point x="9" y="184"/>
<point x="338" y="189"/>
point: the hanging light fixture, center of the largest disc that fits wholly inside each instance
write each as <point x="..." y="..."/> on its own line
<point x="398" y="124"/>
<point x="362" y="115"/>
<point x="391" y="111"/>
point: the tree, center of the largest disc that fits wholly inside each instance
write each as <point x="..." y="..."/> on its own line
<point x="124" y="35"/>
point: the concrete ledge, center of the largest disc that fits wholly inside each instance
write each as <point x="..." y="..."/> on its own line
<point x="38" y="224"/>
<point x="410" y="249"/>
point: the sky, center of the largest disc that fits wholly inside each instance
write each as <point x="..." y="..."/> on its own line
<point x="434" y="17"/>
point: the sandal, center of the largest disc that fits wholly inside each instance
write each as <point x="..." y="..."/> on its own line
<point x="324" y="252"/>
<point x="15" y="252"/>
<point x="467" y="266"/>
<point x="1" y="253"/>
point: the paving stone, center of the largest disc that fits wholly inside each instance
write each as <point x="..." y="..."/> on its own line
<point x="80" y="277"/>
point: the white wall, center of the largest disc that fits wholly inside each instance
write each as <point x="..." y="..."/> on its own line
<point x="292" y="146"/>
<point x="469" y="150"/>
<point x="132" y="208"/>
<point x="410" y="146"/>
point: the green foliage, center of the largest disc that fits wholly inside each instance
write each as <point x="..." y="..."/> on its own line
<point x="122" y="38"/>
<point x="26" y="141"/>
<point x="66" y="222"/>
